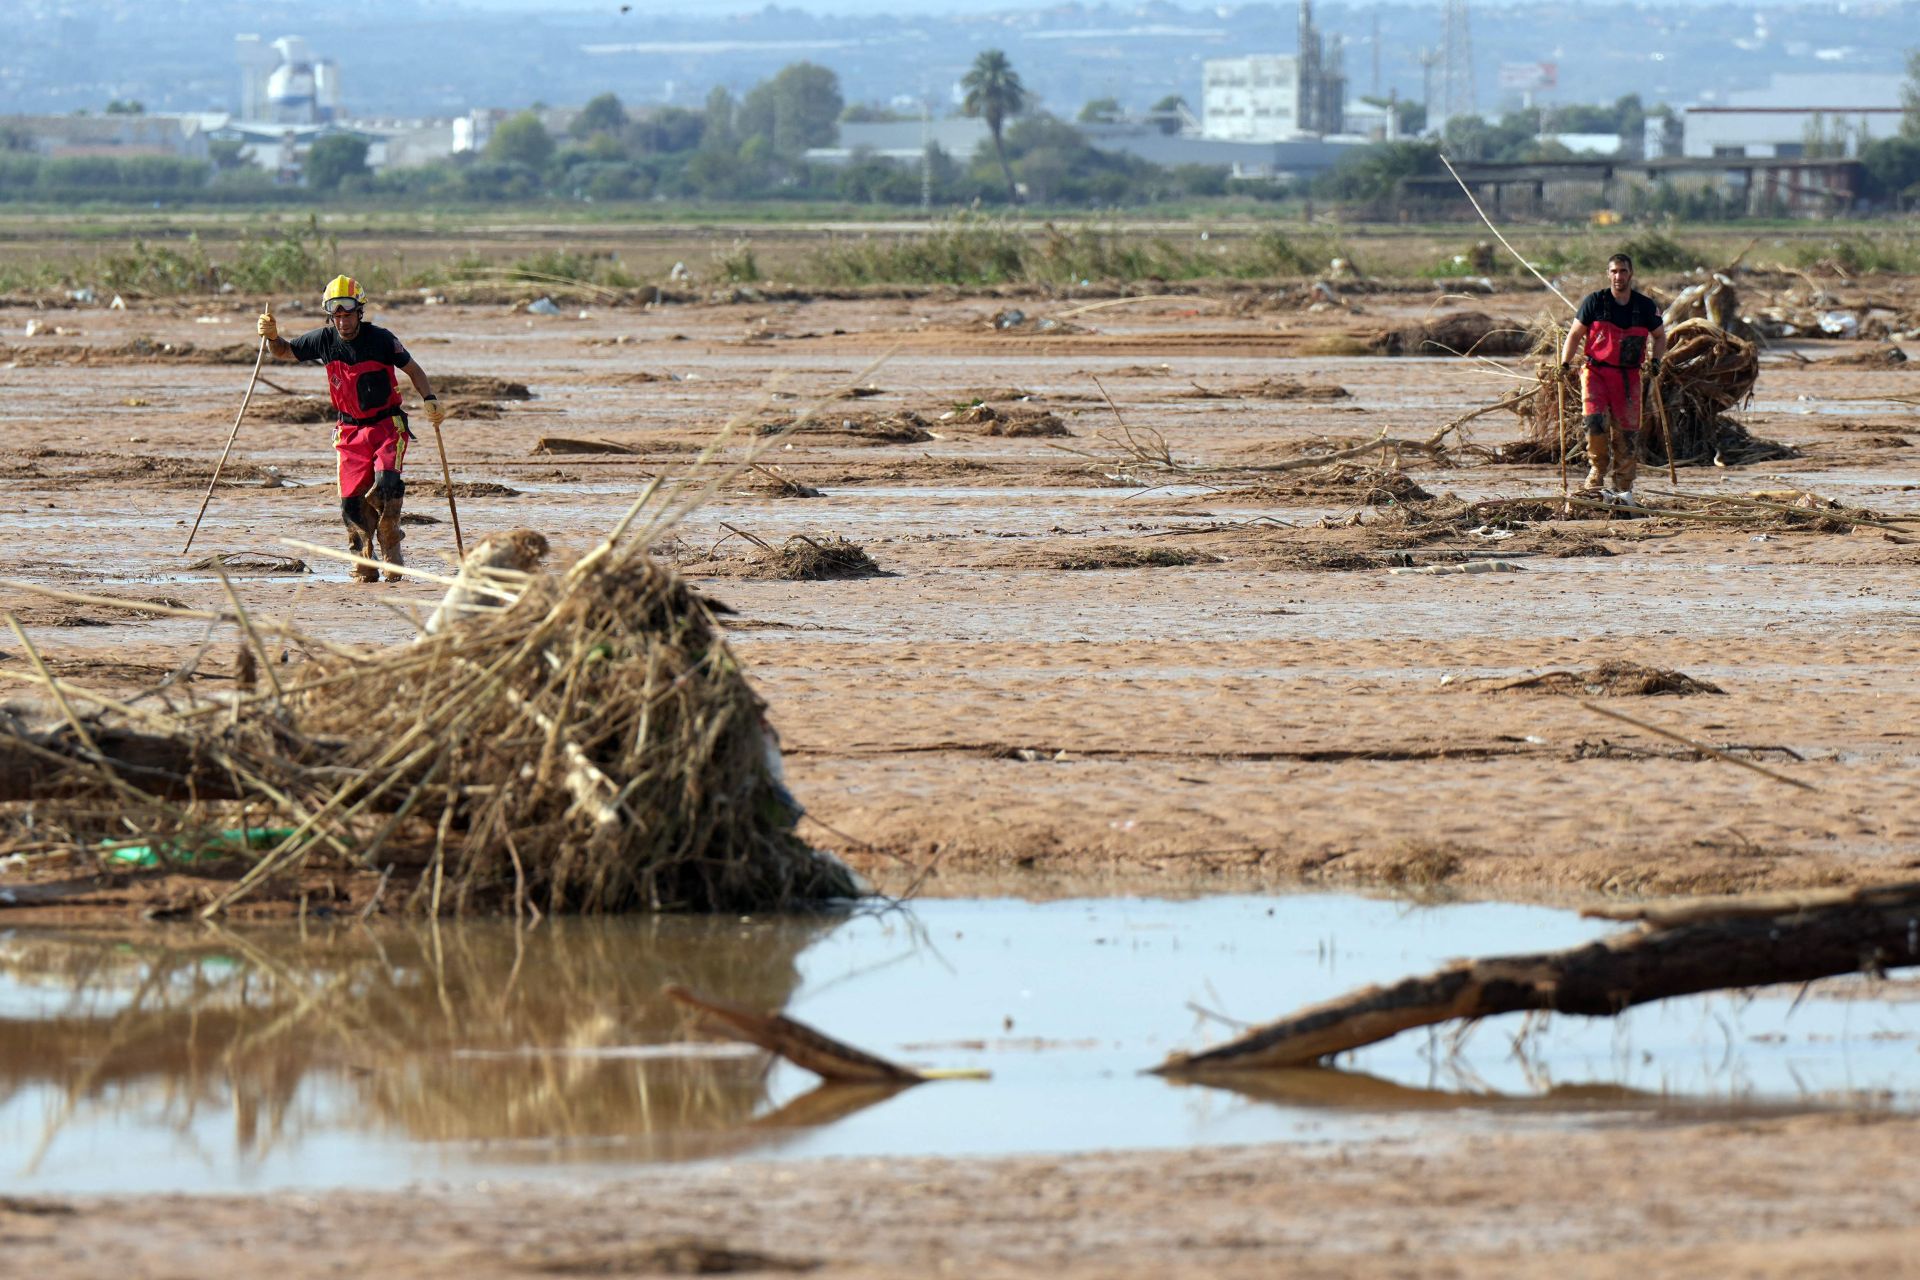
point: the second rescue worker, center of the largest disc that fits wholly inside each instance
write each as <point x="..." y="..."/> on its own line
<point x="371" y="435"/>
<point x="1611" y="335"/>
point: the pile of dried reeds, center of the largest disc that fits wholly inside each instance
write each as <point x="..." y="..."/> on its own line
<point x="589" y="745"/>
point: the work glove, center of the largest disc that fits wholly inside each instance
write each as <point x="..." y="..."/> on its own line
<point x="435" y="414"/>
<point x="266" y="326"/>
<point x="1653" y="366"/>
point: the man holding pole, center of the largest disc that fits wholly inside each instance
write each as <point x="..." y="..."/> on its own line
<point x="1617" y="334"/>
<point x="371" y="435"/>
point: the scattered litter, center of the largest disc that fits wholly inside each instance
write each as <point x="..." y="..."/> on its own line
<point x="1471" y="566"/>
<point x="81" y="295"/>
<point x="118" y="304"/>
<point x="215" y="845"/>
<point x="35" y="328"/>
<point x="679" y="272"/>
<point x="542" y="307"/>
<point x="1840" y="324"/>
<point x="1011" y="318"/>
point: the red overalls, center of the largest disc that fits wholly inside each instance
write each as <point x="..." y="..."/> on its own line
<point x="1611" y="384"/>
<point x="372" y="434"/>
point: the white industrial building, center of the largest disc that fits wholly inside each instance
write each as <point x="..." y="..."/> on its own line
<point x="1264" y="98"/>
<point x="1779" y="120"/>
<point x="283" y="83"/>
<point x="1250" y="99"/>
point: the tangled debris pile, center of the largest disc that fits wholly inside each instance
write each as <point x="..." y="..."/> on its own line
<point x="582" y="742"/>
<point x="856" y="426"/>
<point x="1614" y="678"/>
<point x="1708" y="372"/>
<point x="1465" y="333"/>
<point x="1008" y="420"/>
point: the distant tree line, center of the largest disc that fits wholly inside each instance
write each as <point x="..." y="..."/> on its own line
<point x="754" y="148"/>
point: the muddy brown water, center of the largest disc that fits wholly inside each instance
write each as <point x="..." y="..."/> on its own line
<point x="334" y="1056"/>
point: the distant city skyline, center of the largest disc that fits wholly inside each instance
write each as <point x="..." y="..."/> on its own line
<point x="62" y="56"/>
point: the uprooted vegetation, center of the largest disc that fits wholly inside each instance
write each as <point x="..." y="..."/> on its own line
<point x="1614" y="678"/>
<point x="1130" y="557"/>
<point x="1707" y="374"/>
<point x="798" y="559"/>
<point x="1462" y="333"/>
<point x="576" y="742"/>
<point x="852" y="426"/>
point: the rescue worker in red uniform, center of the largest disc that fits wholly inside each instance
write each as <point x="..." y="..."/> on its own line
<point x="1617" y="335"/>
<point x="371" y="434"/>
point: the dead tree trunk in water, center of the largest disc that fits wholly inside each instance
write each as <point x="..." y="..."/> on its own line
<point x="1680" y="951"/>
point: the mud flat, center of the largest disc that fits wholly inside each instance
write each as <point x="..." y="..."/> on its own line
<point x="1078" y="672"/>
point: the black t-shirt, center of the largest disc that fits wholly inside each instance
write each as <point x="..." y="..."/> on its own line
<point x="359" y="373"/>
<point x="1638" y="312"/>
<point x="372" y="343"/>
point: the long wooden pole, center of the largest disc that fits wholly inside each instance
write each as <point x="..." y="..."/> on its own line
<point x="231" y="437"/>
<point x="1560" y="421"/>
<point x="446" y="476"/>
<point x="1666" y="428"/>
<point x="1464" y="190"/>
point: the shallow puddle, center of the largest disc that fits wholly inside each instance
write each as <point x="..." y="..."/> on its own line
<point x="343" y="1056"/>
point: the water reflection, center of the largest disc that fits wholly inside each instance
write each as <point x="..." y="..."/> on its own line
<point x="276" y="1057"/>
<point x="475" y="1034"/>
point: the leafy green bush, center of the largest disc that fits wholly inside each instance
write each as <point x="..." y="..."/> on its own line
<point x="299" y="259"/>
<point x="151" y="268"/>
<point x="1858" y="254"/>
<point x="737" y="265"/>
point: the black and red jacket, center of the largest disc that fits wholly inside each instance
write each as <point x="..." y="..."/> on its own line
<point x="360" y="374"/>
<point x="1617" y="333"/>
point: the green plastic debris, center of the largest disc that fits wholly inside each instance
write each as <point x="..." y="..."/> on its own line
<point x="216" y="846"/>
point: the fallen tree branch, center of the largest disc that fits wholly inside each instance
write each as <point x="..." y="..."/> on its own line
<point x="1868" y="931"/>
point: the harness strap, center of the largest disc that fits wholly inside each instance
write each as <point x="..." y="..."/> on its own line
<point x="347" y="420"/>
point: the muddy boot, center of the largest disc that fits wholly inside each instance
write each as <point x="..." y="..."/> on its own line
<point x="389" y="491"/>
<point x="359" y="522"/>
<point x="1626" y="464"/>
<point x="390" y="536"/>
<point x="1599" y="455"/>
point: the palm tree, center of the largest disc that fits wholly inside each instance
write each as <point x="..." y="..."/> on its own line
<point x="994" y="93"/>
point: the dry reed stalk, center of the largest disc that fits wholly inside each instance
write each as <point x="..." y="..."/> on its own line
<point x="1696" y="744"/>
<point x="593" y="746"/>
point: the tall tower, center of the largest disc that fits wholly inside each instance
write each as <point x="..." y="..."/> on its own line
<point x="1457" y="93"/>
<point x="1307" y="85"/>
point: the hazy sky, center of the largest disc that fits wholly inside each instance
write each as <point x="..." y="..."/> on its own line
<point x="909" y="8"/>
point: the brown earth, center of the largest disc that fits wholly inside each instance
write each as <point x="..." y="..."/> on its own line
<point x="1270" y="705"/>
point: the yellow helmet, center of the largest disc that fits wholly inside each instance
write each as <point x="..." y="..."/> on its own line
<point x="343" y="294"/>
